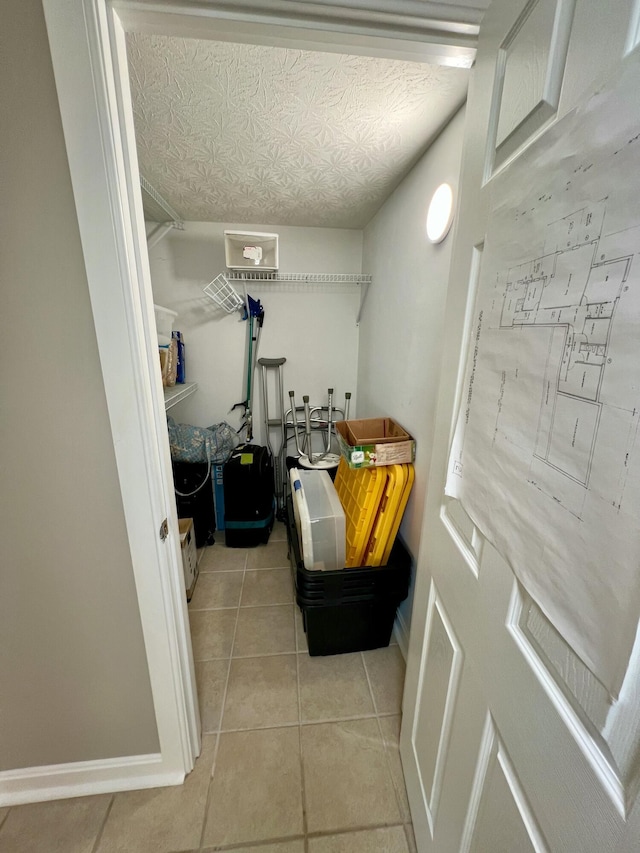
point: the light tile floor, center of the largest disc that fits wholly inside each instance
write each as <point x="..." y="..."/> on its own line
<point x="300" y="754"/>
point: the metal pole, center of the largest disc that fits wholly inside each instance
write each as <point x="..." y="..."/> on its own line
<point x="307" y="426"/>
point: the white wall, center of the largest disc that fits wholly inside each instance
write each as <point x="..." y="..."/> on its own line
<point x="401" y="329"/>
<point x="73" y="669"/>
<point x="312" y="326"/>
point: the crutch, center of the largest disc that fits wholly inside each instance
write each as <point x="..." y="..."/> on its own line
<point x="269" y="364"/>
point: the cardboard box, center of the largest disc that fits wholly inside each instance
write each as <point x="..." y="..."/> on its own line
<point x="189" y="554"/>
<point x="372" y="442"/>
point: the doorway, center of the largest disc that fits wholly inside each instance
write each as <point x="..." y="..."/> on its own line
<point x="89" y="54"/>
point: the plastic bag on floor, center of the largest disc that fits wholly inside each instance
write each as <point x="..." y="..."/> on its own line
<point x="213" y="444"/>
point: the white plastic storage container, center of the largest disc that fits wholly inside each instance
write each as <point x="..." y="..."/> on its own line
<point x="251" y="251"/>
<point x="320" y="520"/>
<point x="165" y="318"/>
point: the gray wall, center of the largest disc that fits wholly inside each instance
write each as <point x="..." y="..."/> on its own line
<point x="74" y="681"/>
<point x="401" y="329"/>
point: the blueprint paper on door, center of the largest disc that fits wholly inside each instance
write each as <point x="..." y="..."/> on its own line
<point x="546" y="453"/>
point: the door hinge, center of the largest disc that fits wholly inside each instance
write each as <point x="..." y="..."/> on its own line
<point x="164" y="530"/>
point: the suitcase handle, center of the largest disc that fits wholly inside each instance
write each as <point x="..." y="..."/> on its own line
<point x="263" y="458"/>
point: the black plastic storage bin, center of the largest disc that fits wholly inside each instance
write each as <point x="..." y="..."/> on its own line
<point x="348" y="610"/>
<point x="194" y="498"/>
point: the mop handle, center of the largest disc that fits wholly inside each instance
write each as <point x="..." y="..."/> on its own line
<point x="249" y="413"/>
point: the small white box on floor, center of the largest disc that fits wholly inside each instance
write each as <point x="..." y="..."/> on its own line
<point x="189" y="554"/>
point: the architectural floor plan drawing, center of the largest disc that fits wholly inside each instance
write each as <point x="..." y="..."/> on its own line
<point x="545" y="457"/>
<point x="569" y="297"/>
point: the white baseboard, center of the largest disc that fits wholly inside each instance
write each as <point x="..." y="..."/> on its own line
<point x="83" y="778"/>
<point x="401" y="633"/>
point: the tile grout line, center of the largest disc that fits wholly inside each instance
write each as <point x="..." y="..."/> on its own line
<point x="387" y="758"/>
<point x="366" y="672"/>
<point x="233" y="607"/>
<point x="96" y="843"/>
<point x="369" y="827"/>
<point x="244" y="657"/>
<point x="265" y="569"/>
<point x="303" y="796"/>
<point x="379" y="716"/>
<point x="212" y="609"/>
<point x="263" y="606"/>
<point x="303" y="792"/>
<point x="329" y="833"/>
<point x="411" y="844"/>
<point x="242" y="845"/>
<point x="344" y="719"/>
<point x="222" y="571"/>
<point x="222" y="704"/>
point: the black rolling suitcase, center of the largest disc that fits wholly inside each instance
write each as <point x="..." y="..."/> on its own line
<point x="249" y="489"/>
<point x="194" y="498"/>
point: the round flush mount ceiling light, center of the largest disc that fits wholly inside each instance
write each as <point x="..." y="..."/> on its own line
<point x="440" y="215"/>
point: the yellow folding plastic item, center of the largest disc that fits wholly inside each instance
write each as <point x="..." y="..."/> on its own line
<point x="411" y="473"/>
<point x="360" y="491"/>
<point x="382" y="523"/>
<point x="386" y="515"/>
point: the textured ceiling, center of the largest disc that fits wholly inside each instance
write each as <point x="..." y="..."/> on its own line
<point x="246" y="133"/>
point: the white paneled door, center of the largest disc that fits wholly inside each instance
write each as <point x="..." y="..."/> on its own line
<point x="509" y="742"/>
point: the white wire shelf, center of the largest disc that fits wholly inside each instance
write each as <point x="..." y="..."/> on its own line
<point x="166" y="220"/>
<point x="300" y="277"/>
<point x="220" y="288"/>
<point x="178" y="392"/>
<point x="163" y="204"/>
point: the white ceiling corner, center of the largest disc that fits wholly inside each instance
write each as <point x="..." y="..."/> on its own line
<point x="247" y="133"/>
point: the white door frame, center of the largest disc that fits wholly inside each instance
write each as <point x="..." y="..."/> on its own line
<point x="89" y="60"/>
